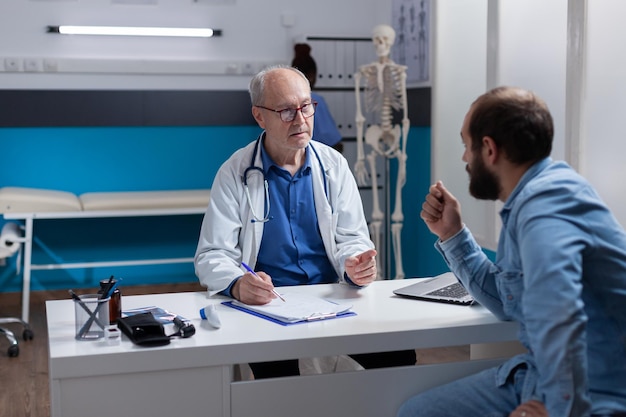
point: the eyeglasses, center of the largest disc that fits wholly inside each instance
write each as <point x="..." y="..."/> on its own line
<point x="288" y="115"/>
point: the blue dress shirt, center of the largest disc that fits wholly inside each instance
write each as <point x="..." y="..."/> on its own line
<point x="292" y="251"/>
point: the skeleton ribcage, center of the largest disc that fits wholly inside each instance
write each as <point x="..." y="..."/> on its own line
<point x="379" y="104"/>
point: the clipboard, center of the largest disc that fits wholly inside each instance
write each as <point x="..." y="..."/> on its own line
<point x="297" y="309"/>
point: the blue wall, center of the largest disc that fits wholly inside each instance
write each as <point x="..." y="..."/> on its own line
<point x="419" y="256"/>
<point x="86" y="159"/>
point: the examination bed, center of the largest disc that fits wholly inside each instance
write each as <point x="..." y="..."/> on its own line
<point x="29" y="204"/>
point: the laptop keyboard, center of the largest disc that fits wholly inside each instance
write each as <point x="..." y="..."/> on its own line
<point x="455" y="290"/>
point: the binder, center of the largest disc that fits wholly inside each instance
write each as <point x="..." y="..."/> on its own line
<point x="297" y="309"/>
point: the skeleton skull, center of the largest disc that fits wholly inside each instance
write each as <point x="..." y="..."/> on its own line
<point x="383" y="37"/>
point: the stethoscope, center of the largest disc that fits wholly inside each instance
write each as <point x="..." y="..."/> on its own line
<point x="266" y="212"/>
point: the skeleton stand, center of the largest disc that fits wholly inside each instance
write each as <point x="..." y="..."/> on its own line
<point x="385" y="91"/>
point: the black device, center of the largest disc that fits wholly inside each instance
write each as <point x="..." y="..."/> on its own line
<point x="143" y="329"/>
<point x="183" y="329"/>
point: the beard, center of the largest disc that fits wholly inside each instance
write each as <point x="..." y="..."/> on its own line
<point x="484" y="185"/>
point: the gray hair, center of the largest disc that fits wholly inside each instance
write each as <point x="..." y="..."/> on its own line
<point x="257" y="84"/>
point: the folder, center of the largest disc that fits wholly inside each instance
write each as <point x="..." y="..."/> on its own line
<point x="297" y="308"/>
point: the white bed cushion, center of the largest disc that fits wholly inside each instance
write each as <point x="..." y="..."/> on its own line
<point x="141" y="200"/>
<point x="36" y="200"/>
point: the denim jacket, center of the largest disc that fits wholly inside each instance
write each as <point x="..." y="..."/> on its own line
<point x="560" y="271"/>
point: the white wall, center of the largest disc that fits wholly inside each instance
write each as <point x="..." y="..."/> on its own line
<point x="495" y="42"/>
<point x="532" y="54"/>
<point x="255" y="33"/>
<point x="570" y="53"/>
<point x="603" y="141"/>
<point x="459" y="76"/>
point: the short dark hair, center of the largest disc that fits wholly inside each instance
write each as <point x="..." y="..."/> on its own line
<point x="305" y="62"/>
<point x="517" y="120"/>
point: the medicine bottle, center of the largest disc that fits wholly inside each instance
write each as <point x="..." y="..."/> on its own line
<point x="115" y="303"/>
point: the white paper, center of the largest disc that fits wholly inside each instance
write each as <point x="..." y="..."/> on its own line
<point x="298" y="307"/>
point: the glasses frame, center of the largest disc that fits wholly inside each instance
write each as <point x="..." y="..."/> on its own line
<point x="295" y="111"/>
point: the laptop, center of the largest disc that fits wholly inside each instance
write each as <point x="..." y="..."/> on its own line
<point x="444" y="288"/>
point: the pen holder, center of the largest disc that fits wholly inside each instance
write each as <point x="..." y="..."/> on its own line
<point x="91" y="316"/>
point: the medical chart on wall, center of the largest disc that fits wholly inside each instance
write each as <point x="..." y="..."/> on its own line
<point x="411" y="21"/>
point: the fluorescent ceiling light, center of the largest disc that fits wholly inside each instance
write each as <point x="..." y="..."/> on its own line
<point x="135" y="31"/>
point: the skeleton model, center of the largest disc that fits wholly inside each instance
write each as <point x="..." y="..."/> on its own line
<point x="384" y="92"/>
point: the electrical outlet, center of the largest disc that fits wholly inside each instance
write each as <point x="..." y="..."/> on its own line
<point x="12" y="64"/>
<point x="248" y="68"/>
<point x="32" y="65"/>
<point x="232" y="69"/>
<point x="288" y="19"/>
<point x="50" y="65"/>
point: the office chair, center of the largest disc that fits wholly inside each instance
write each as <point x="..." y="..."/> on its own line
<point x="27" y="334"/>
<point x="11" y="238"/>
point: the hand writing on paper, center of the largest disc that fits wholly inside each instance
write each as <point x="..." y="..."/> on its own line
<point x="361" y="269"/>
<point x="254" y="289"/>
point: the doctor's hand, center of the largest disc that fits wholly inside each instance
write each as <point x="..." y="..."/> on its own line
<point x="441" y="212"/>
<point x="361" y="269"/>
<point x="254" y="290"/>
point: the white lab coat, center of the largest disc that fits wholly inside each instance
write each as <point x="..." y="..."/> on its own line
<point x="229" y="236"/>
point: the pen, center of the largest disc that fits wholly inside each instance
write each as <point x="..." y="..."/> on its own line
<point x="108" y="287"/>
<point x="254" y="273"/>
<point x="111" y="290"/>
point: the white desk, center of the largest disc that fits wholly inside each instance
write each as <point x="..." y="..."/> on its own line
<point x="193" y="377"/>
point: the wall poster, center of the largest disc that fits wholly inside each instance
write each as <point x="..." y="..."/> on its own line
<point x="411" y="21"/>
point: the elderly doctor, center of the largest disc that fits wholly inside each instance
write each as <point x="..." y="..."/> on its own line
<point x="284" y="205"/>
